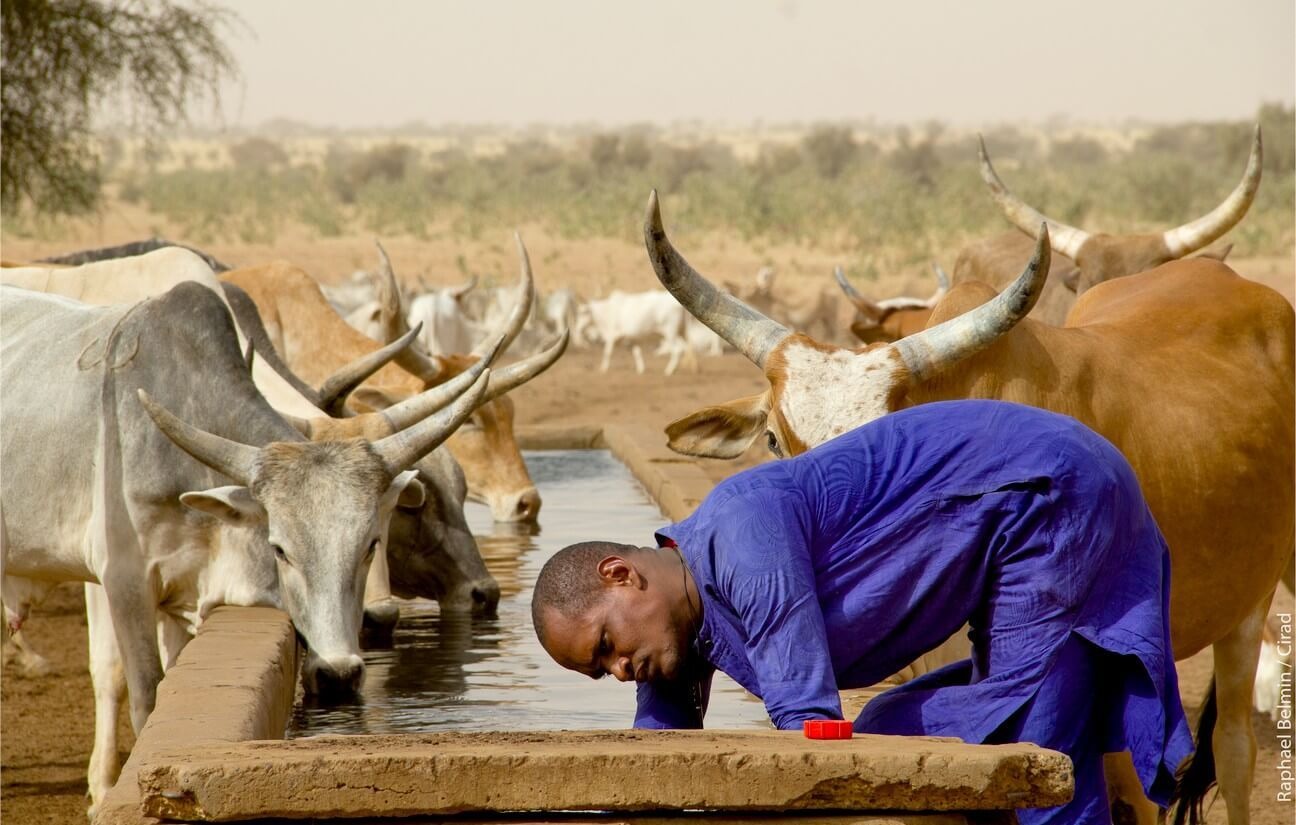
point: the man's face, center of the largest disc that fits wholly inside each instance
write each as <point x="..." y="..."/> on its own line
<point x="631" y="631"/>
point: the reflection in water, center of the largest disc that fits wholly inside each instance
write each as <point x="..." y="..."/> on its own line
<point x="491" y="674"/>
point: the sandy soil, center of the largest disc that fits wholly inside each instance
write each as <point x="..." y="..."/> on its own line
<point x="47" y="722"/>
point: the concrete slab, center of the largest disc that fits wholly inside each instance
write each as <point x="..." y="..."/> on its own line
<point x="235" y="681"/>
<point x="448" y="773"/>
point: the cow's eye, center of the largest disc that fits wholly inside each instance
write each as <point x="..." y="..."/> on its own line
<point x="279" y="553"/>
<point x="373" y="548"/>
<point x="771" y="441"/>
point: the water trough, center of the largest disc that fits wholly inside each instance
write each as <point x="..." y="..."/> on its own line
<point x="215" y="748"/>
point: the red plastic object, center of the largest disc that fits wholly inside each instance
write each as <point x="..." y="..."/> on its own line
<point x="827" y="728"/>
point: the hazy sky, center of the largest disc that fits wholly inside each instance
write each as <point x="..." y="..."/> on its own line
<point x="383" y="62"/>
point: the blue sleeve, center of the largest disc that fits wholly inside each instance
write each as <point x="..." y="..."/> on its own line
<point x="768" y="580"/>
<point x="674" y="705"/>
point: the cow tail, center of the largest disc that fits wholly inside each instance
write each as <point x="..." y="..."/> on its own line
<point x="1196" y="776"/>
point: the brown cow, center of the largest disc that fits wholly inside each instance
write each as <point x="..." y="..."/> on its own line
<point x="311" y="337"/>
<point x="1082" y="259"/>
<point x="1187" y="368"/>
<point x="892" y="318"/>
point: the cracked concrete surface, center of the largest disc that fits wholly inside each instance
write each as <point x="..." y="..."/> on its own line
<point x="448" y="773"/>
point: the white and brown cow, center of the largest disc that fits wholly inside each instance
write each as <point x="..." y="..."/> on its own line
<point x="1187" y="368"/>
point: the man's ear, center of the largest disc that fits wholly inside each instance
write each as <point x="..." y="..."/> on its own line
<point x="232" y="504"/>
<point x="616" y="570"/>
<point x="723" y="431"/>
<point x="404" y="491"/>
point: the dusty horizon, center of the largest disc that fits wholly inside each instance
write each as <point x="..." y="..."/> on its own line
<point x="728" y="64"/>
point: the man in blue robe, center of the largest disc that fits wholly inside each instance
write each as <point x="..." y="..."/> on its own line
<point x="836" y="568"/>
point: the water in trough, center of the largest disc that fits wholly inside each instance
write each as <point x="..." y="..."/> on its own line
<point x="491" y="674"/>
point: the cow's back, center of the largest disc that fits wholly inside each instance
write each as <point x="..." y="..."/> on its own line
<point x="1187" y="369"/>
<point x="48" y="422"/>
<point x="305" y="328"/>
<point x="120" y="281"/>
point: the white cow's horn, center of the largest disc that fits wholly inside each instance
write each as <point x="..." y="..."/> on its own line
<point x="509" y="378"/>
<point x="750" y="332"/>
<point x="402" y="449"/>
<point x="229" y="458"/>
<point x="1065" y="239"/>
<point x="416" y="408"/>
<point x="861" y="303"/>
<point x="335" y="389"/>
<point x="522" y="309"/>
<point x="1186" y="239"/>
<point x="927" y="352"/>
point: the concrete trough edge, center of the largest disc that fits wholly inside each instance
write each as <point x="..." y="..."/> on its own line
<point x="459" y="772"/>
<point x="245" y="661"/>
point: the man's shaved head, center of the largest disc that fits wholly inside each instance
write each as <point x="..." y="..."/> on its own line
<point x="605" y="608"/>
<point x="569" y="582"/>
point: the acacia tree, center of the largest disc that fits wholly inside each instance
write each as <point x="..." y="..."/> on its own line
<point x="63" y="60"/>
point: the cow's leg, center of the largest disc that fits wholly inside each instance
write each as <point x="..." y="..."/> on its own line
<point x="673" y="363"/>
<point x="1236" y="656"/>
<point x="638" y="357"/>
<point x="109" y="681"/>
<point x="608" y="344"/>
<point x="381" y="612"/>
<point x="134" y="618"/>
<point x="173" y="635"/>
<point x="1125" y="792"/>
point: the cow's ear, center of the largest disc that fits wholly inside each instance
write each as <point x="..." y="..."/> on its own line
<point x="722" y="431"/>
<point x="1218" y="252"/>
<point x="405" y="491"/>
<point x="232" y="504"/>
<point x="371" y="399"/>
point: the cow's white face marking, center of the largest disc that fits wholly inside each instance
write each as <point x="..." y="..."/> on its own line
<point x="827" y="393"/>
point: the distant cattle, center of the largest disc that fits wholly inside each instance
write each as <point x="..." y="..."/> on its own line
<point x="892" y="318"/>
<point x="638" y="318"/>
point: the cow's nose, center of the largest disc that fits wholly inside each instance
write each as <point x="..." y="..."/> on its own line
<point x="528" y="506"/>
<point x="485" y="598"/>
<point x="339" y="677"/>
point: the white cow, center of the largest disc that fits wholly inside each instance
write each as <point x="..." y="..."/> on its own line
<point x="103" y="496"/>
<point x="637" y="318"/>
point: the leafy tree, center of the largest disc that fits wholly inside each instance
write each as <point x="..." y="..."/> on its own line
<point x="64" y="59"/>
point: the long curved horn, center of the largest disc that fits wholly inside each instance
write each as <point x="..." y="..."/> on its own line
<point x="416" y="408"/>
<point x="750" y="332"/>
<point x="335" y="389"/>
<point x="516" y="374"/>
<point x="861" y="303"/>
<point x="229" y="458"/>
<point x="1186" y="239"/>
<point x="391" y="317"/>
<point x="1066" y="239"/>
<point x="402" y="449"/>
<point x="526" y="296"/>
<point x="927" y="352"/>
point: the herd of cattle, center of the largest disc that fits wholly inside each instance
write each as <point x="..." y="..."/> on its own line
<point x="179" y="439"/>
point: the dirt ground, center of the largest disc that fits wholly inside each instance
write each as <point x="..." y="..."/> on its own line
<point x="46" y="723"/>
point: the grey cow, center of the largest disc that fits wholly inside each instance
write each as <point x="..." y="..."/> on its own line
<point x="254" y="514"/>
